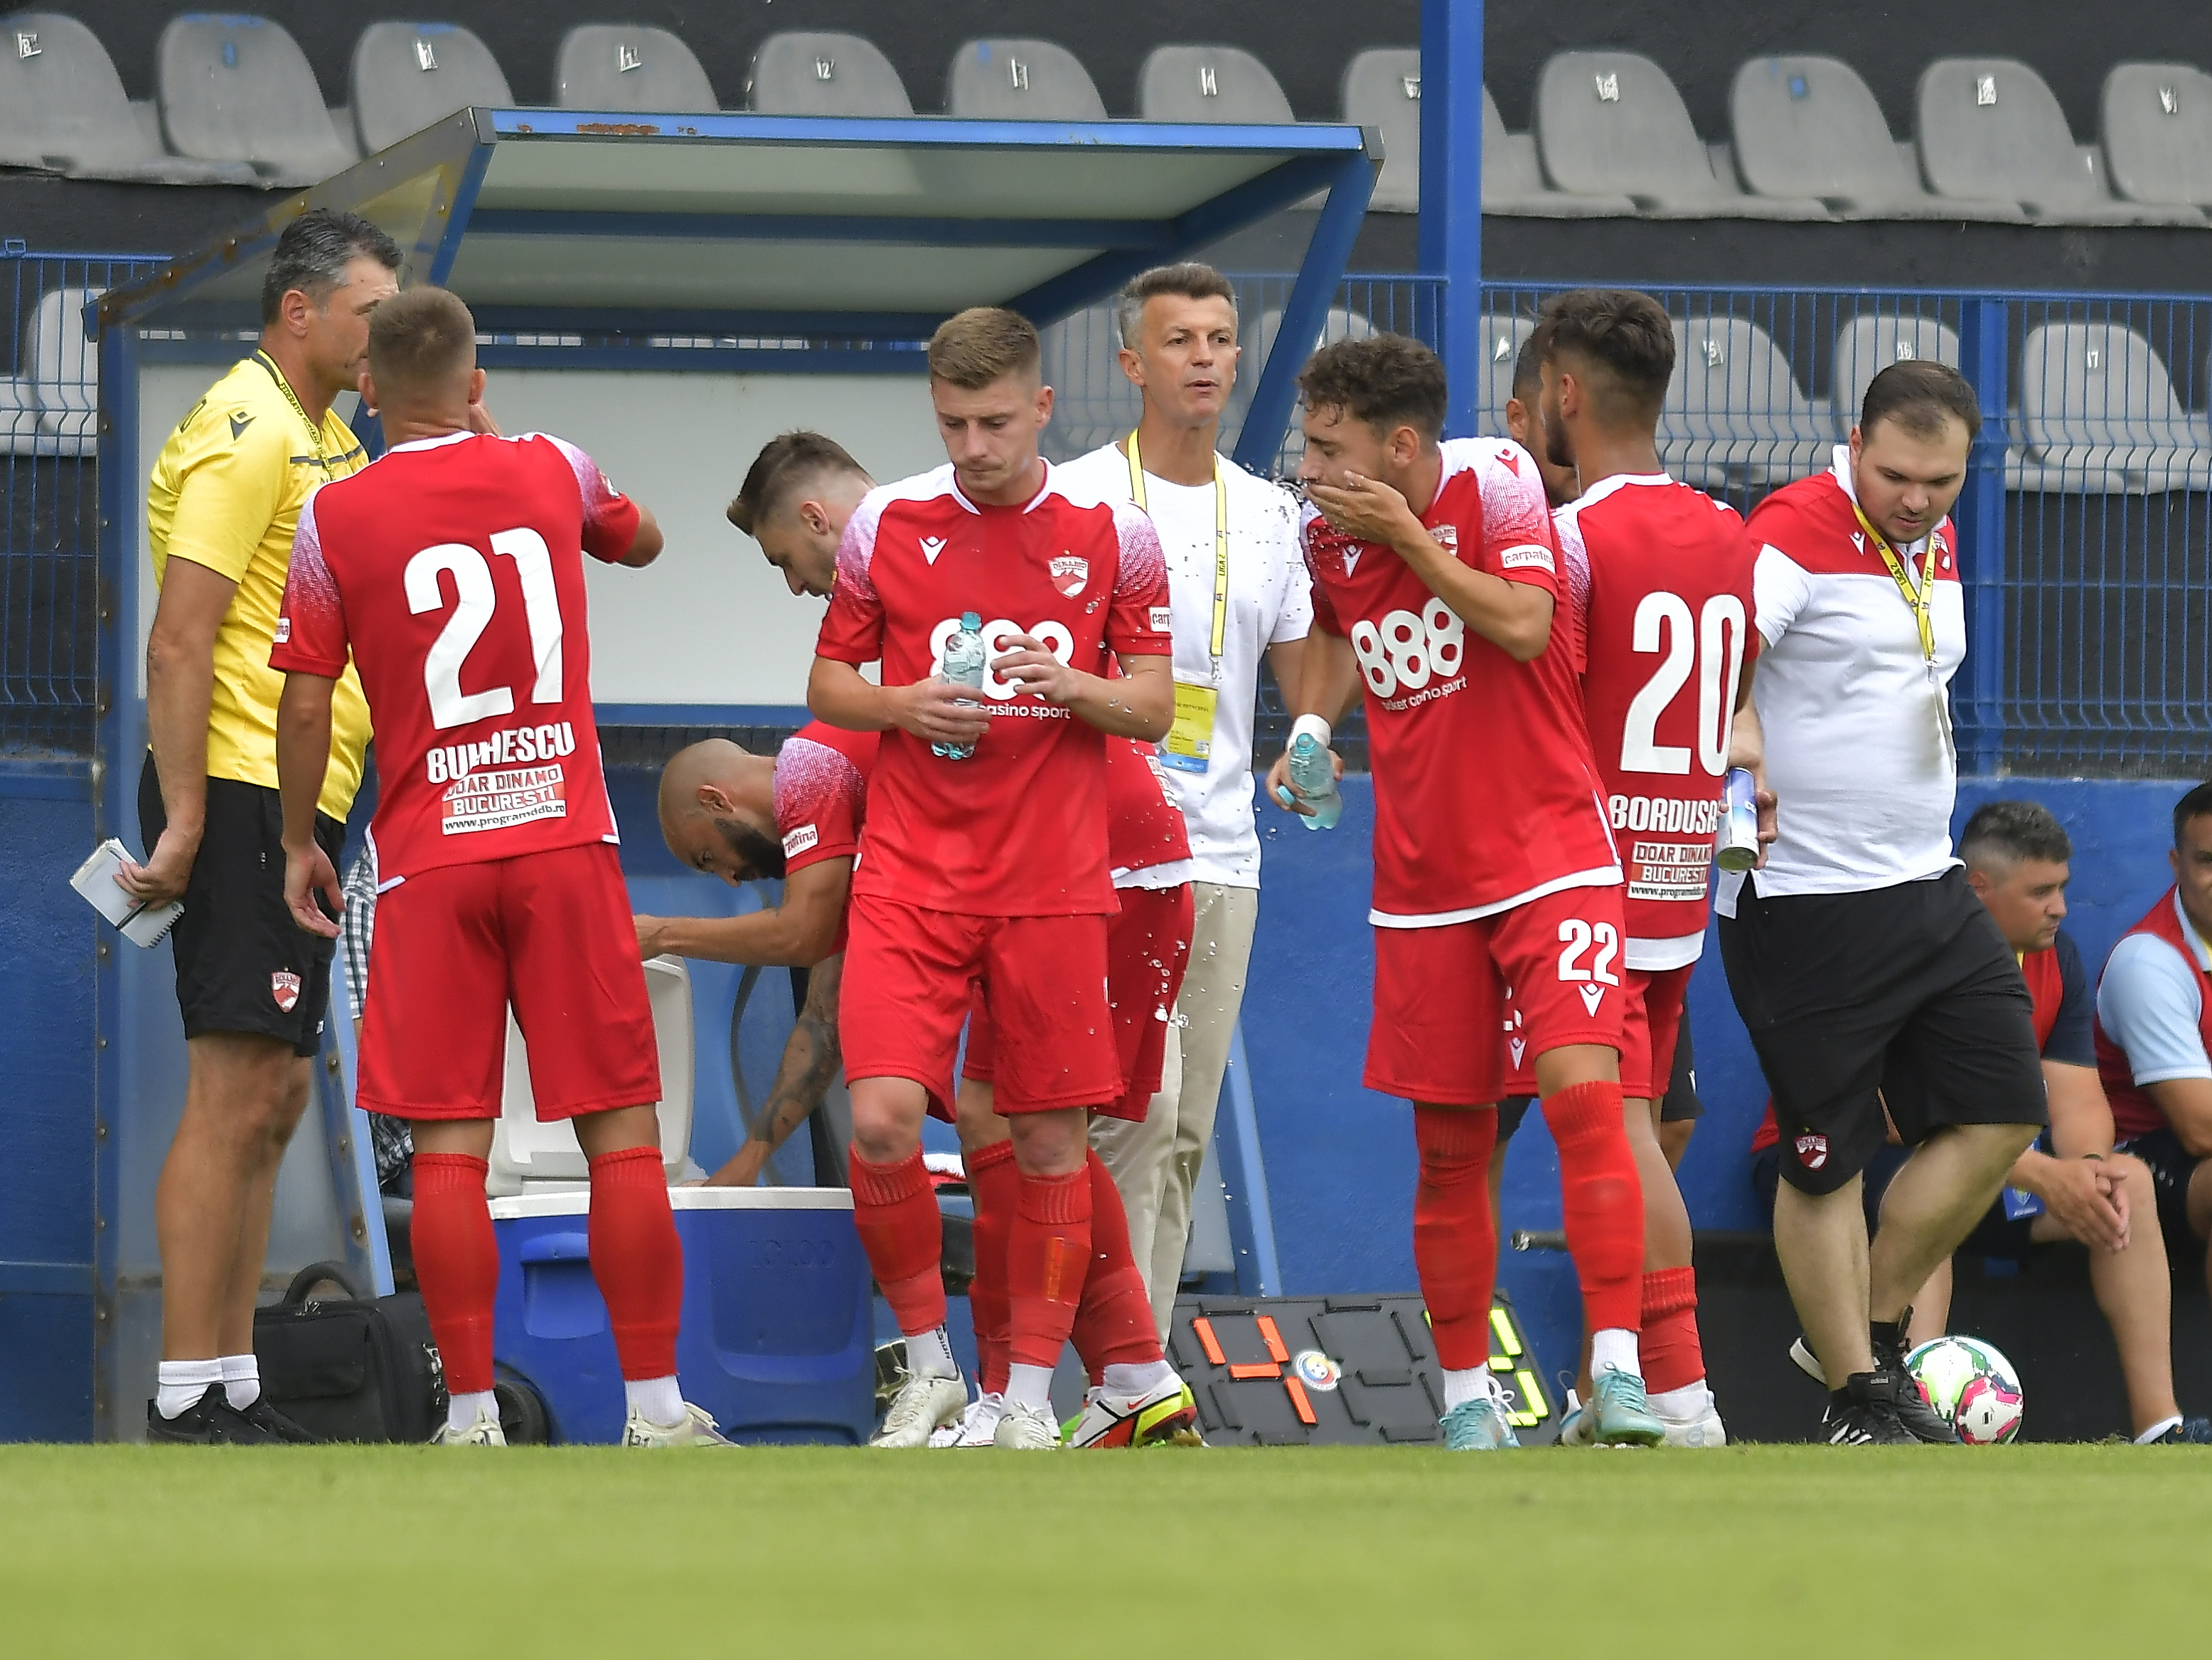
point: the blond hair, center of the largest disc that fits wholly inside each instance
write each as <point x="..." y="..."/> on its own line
<point x="982" y="344"/>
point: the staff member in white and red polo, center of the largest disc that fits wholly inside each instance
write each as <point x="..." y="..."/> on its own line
<point x="1858" y="955"/>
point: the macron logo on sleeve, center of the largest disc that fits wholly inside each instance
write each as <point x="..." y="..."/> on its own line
<point x="931" y="547"/>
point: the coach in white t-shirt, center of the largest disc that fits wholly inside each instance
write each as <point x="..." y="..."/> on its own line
<point x="1869" y="973"/>
<point x="1239" y="584"/>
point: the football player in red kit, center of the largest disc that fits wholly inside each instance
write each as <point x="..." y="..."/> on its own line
<point x="452" y="570"/>
<point x="1435" y="578"/>
<point x="987" y="862"/>
<point x="1658" y="577"/>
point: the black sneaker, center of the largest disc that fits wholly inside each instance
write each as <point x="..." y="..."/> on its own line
<point x="211" y="1420"/>
<point x="1922" y="1421"/>
<point x="276" y="1426"/>
<point x="1863" y="1413"/>
<point x="2188" y="1432"/>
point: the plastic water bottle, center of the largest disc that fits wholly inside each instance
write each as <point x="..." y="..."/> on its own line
<point x="965" y="663"/>
<point x="1312" y="775"/>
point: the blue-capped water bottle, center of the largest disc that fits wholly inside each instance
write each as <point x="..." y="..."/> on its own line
<point x="964" y="662"/>
<point x="1313" y="773"/>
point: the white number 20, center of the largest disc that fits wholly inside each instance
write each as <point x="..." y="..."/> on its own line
<point x="1716" y="655"/>
<point x="1578" y="937"/>
<point x="474" y="601"/>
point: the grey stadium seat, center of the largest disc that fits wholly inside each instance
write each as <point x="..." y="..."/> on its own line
<point x="2157" y="132"/>
<point x="1611" y="122"/>
<point x="407" y="76"/>
<point x="240" y="89"/>
<point x="1866" y="346"/>
<point x="1513" y="179"/>
<point x="1094" y="402"/>
<point x="808" y="72"/>
<point x="63" y="110"/>
<point x="1990" y="127"/>
<point x="52" y="405"/>
<point x="630" y="67"/>
<point x="1011" y="80"/>
<point x="1382" y="89"/>
<point x="1808" y="126"/>
<point x="1502" y="336"/>
<point x="1734" y="414"/>
<point x="2096" y="401"/>
<point x="1210" y="83"/>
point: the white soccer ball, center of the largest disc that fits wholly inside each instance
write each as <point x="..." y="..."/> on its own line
<point x="1971" y="1385"/>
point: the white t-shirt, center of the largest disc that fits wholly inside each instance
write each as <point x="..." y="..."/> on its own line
<point x="1270" y="602"/>
<point x="2150" y="1003"/>
<point x="1858" y="747"/>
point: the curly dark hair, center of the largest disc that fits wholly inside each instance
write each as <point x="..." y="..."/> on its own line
<point x="1386" y="381"/>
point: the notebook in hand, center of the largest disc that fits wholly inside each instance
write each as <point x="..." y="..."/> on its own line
<point x="142" y="925"/>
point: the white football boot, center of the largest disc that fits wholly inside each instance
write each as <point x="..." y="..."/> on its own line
<point x="974" y="1427"/>
<point x="1703" y="1429"/>
<point x="925" y="1402"/>
<point x="1025" y="1428"/>
<point x="698" y="1429"/>
<point x="484" y="1431"/>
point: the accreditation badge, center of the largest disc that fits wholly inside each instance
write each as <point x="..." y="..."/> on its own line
<point x="1188" y="746"/>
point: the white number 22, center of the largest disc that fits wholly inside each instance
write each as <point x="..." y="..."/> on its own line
<point x="1578" y="937"/>
<point x="1715" y="654"/>
<point x="474" y="601"/>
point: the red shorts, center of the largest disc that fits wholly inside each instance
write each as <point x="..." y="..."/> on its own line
<point x="1651" y="1025"/>
<point x="548" y="932"/>
<point x="1147" y="948"/>
<point x="1457" y="1008"/>
<point x="910" y="974"/>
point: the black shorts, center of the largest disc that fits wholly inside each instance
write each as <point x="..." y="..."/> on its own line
<point x="2170" y="1166"/>
<point x="243" y="965"/>
<point x="1995" y="1235"/>
<point x="1907" y="992"/>
<point x="1681" y="1103"/>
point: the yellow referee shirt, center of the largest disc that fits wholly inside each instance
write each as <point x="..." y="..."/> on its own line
<point x="225" y="493"/>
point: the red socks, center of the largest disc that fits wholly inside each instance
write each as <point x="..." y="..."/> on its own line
<point x="637" y="1259"/>
<point x="1673" y="1358"/>
<point x="1455" y="1240"/>
<point x="457" y="1264"/>
<point x="1047" y="1259"/>
<point x="1603" y="1202"/>
<point x="895" y="1208"/>
<point x="1113" y="1324"/>
<point x="996" y="1186"/>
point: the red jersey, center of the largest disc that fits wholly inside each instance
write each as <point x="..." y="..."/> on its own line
<point x="1020" y="828"/>
<point x="1660" y="575"/>
<point x="1144" y="830"/>
<point x="821" y="797"/>
<point x="453" y="570"/>
<point x="1484" y="795"/>
<point x="2134" y="1112"/>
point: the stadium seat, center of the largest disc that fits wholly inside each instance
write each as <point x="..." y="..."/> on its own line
<point x="2157" y="132"/>
<point x="1339" y="323"/>
<point x="63" y="110"/>
<point x="1513" y="179"/>
<point x="1990" y="127"/>
<point x="240" y="89"/>
<point x="1808" y="126"/>
<point x="624" y="66"/>
<point x="1611" y="122"/>
<point x="407" y="76"/>
<point x="1502" y="336"/>
<point x="1210" y="83"/>
<point x="806" y="72"/>
<point x="1867" y="345"/>
<point x="50" y="406"/>
<point x="1093" y="403"/>
<point x="1383" y="89"/>
<point x="1011" y="80"/>
<point x="2096" y="400"/>
<point x="1734" y="413"/>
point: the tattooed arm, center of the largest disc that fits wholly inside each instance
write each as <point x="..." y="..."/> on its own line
<point x="811" y="1059"/>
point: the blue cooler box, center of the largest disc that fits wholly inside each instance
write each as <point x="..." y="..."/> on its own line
<point x="775" y="1340"/>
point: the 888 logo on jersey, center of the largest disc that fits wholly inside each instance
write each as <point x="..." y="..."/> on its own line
<point x="998" y="634"/>
<point x="1401" y="652"/>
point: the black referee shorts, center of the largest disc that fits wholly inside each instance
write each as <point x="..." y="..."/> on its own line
<point x="1907" y="993"/>
<point x="242" y="964"/>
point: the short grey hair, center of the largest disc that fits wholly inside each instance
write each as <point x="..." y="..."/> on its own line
<point x="1190" y="279"/>
<point x="313" y="252"/>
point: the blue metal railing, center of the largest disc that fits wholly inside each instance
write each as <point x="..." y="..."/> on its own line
<point x="49" y="552"/>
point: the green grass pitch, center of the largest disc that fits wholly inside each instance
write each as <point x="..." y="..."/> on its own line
<point x="170" y="1553"/>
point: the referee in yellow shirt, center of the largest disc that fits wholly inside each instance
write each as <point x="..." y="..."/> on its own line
<point x="221" y="507"/>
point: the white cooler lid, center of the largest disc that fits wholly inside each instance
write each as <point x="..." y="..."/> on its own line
<point x="577" y="1202"/>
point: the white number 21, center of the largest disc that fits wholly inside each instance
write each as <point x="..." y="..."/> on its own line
<point x="474" y="600"/>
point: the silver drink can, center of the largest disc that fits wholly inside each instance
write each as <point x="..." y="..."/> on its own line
<point x="1736" y="846"/>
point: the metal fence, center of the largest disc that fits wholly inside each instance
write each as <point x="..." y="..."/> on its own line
<point x="48" y="562"/>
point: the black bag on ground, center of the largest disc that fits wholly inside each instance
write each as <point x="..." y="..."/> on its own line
<point x="350" y="1368"/>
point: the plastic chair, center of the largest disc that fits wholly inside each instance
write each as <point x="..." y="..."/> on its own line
<point x="1734" y="413"/>
<point x="1210" y="84"/>
<point x="407" y="76"/>
<point x="2157" y="132"/>
<point x="63" y="110"/>
<point x="1866" y="346"/>
<point x="2096" y="398"/>
<point x="240" y="89"/>
<point x="1005" y="79"/>
<point x="1382" y="89"/>
<point x="611" y="66"/>
<point x="810" y="72"/>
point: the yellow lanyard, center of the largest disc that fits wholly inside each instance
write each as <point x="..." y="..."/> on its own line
<point x="314" y="428"/>
<point x="1220" y="540"/>
<point x="1898" y="573"/>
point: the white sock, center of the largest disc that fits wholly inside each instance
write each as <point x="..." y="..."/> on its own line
<point x="1462" y="1387"/>
<point x="657" y="1398"/>
<point x="461" y="1410"/>
<point x="1614" y="1347"/>
<point x="1137" y="1379"/>
<point x="1029" y="1385"/>
<point x="929" y="1354"/>
<point x="179" y="1384"/>
<point x="2157" y="1430"/>
<point x="241" y="1380"/>
<point x="1683" y="1404"/>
